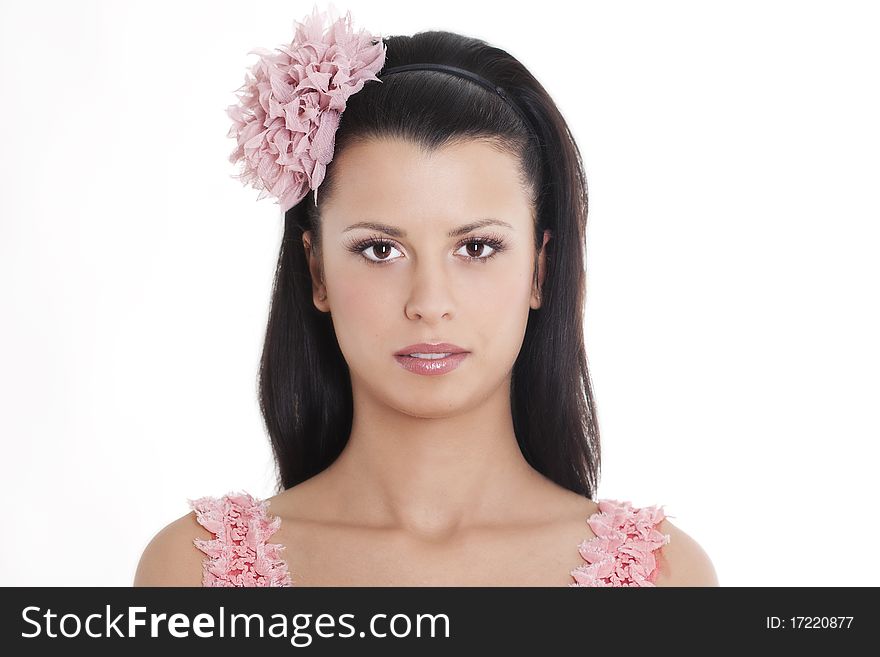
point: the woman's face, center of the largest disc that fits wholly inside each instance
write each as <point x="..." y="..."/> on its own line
<point x="427" y="284"/>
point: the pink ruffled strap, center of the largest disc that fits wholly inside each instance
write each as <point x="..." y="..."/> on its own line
<point x="239" y="554"/>
<point x="622" y="552"/>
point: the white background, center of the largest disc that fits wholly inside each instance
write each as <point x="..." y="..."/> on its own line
<point x="732" y="157"/>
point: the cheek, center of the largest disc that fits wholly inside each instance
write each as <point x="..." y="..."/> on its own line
<point x="501" y="310"/>
<point x="363" y="313"/>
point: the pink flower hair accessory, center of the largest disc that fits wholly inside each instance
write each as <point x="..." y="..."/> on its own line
<point x="291" y="102"/>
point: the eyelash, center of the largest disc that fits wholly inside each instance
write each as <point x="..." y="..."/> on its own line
<point x="493" y="241"/>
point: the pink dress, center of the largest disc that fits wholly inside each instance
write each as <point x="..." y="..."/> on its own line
<point x="622" y="552"/>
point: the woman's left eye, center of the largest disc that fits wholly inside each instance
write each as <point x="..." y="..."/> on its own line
<point x="481" y="246"/>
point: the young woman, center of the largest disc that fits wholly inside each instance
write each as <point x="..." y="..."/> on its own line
<point x="423" y="381"/>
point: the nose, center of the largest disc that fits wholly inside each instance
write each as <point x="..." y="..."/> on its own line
<point x="431" y="297"/>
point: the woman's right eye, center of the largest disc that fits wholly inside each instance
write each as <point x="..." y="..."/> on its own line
<point x="380" y="249"/>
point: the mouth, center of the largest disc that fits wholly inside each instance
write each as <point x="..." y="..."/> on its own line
<point x="431" y="364"/>
<point x="428" y="349"/>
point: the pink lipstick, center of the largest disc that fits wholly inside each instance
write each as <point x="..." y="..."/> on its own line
<point x="431" y="359"/>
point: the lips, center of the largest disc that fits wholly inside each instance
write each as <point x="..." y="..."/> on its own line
<point x="431" y="348"/>
<point x="431" y="366"/>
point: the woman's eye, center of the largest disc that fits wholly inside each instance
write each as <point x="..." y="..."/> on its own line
<point x="381" y="250"/>
<point x="476" y="250"/>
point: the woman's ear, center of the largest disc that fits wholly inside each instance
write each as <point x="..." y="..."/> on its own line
<point x="319" y="291"/>
<point x="540" y="272"/>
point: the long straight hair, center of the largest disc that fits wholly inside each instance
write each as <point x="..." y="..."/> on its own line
<point x="304" y="385"/>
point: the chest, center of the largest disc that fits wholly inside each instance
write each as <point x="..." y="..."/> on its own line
<point x="322" y="555"/>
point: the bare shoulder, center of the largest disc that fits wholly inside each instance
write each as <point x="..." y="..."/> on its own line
<point x="683" y="561"/>
<point x="171" y="558"/>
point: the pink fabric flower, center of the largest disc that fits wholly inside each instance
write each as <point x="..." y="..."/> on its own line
<point x="289" y="110"/>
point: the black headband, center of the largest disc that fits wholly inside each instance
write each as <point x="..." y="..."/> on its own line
<point x="468" y="75"/>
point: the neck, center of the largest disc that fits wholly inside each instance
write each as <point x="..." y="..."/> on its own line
<point x="432" y="476"/>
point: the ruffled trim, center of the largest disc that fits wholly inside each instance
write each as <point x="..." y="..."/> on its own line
<point x="239" y="554"/>
<point x="622" y="552"/>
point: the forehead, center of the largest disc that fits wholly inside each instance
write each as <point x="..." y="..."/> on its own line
<point x="383" y="178"/>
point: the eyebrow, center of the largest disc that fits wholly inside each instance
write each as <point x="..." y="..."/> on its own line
<point x="461" y="230"/>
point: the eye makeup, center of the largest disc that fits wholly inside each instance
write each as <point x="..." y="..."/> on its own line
<point x="494" y="241"/>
